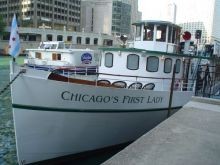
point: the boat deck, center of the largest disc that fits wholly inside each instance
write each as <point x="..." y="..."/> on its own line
<point x="190" y="136"/>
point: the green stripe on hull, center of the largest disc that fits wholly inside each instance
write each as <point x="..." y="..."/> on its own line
<point x="38" y="108"/>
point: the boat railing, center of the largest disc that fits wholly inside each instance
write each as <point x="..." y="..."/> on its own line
<point x="129" y="81"/>
<point x="123" y="81"/>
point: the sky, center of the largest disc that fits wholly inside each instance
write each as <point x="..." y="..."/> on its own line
<point x="152" y="9"/>
<point x="157" y="9"/>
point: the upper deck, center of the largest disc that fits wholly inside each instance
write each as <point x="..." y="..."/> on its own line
<point x="159" y="36"/>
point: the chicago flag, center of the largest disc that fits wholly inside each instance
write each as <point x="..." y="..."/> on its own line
<point x="14" y="42"/>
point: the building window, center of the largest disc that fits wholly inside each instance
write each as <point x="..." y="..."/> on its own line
<point x="167" y="65"/>
<point x="107" y="42"/>
<point x="152" y="64"/>
<point x="69" y="38"/>
<point x="108" y="60"/>
<point x="87" y="41"/>
<point x="79" y="40"/>
<point x="49" y="37"/>
<point x="178" y="65"/>
<point x="133" y="62"/>
<point x="95" y="41"/>
<point x="59" y="38"/>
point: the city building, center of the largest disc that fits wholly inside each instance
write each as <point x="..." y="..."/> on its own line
<point x="31" y="37"/>
<point x="216" y="22"/>
<point x="200" y="15"/>
<point x="54" y="14"/>
<point x="192" y="27"/>
<point x="171" y="12"/>
<point x="109" y="16"/>
<point x="49" y="20"/>
<point x="135" y="16"/>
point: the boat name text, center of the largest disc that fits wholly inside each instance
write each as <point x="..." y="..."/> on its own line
<point x="77" y="97"/>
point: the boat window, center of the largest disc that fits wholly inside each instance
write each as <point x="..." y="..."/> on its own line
<point x="56" y="56"/>
<point x="61" y="45"/>
<point x="178" y="65"/>
<point x="167" y="65"/>
<point x="38" y="55"/>
<point x="54" y="46"/>
<point x="119" y="84"/>
<point x="175" y="35"/>
<point x="152" y="64"/>
<point x="170" y="34"/>
<point x="41" y="45"/>
<point x="149" y="86"/>
<point x="133" y="62"/>
<point x="138" y="33"/>
<point x="148" y="32"/>
<point x="109" y="60"/>
<point x="161" y="33"/>
<point x="136" y="85"/>
<point x="103" y="82"/>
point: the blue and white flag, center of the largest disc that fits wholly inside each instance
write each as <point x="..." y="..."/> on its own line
<point x="14" y="42"/>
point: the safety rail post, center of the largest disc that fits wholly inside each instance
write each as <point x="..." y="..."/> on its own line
<point x="171" y="91"/>
<point x="136" y="77"/>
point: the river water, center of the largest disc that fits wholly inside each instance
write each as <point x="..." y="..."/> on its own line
<point x="7" y="137"/>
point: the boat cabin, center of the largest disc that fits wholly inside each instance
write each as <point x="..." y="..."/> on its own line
<point x="150" y="62"/>
<point x="58" y="53"/>
<point x="160" y="36"/>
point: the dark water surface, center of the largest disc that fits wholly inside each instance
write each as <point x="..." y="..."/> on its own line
<point x="7" y="137"/>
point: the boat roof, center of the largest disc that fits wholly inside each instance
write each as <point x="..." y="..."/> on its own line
<point x="157" y="53"/>
<point x="159" y="22"/>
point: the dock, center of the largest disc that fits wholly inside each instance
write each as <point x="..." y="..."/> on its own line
<point x="191" y="136"/>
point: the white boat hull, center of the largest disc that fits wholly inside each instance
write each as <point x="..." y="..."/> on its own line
<point x="54" y="118"/>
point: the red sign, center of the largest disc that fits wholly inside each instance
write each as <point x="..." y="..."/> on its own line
<point x="186" y="35"/>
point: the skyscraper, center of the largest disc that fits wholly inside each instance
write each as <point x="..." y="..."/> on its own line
<point x="56" y="14"/>
<point x="205" y="12"/>
<point x="109" y="16"/>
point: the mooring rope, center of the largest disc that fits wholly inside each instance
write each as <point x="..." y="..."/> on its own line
<point x="8" y="85"/>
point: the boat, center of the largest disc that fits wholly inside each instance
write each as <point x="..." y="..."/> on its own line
<point x="61" y="56"/>
<point x="136" y="88"/>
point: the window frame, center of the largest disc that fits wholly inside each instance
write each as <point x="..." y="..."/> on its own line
<point x="179" y="66"/>
<point x="147" y="69"/>
<point x="164" y="66"/>
<point x="138" y="62"/>
<point x="109" y="66"/>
